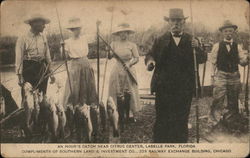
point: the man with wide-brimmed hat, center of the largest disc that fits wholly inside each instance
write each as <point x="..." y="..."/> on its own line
<point x="226" y="55"/>
<point x="33" y="56"/>
<point x="173" y="80"/>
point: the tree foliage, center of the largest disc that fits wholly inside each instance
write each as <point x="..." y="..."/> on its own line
<point x="144" y="40"/>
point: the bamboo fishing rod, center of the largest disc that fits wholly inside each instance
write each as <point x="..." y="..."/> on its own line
<point x="63" y="50"/>
<point x="106" y="60"/>
<point x="196" y="80"/>
<point x="120" y="60"/>
<point x="246" y="104"/>
<point x="98" y="23"/>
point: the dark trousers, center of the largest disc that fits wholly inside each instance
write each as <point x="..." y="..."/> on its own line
<point x="172" y="111"/>
<point x="33" y="72"/>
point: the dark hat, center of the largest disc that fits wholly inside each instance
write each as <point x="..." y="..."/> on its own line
<point x="175" y="13"/>
<point x="228" y="24"/>
<point x="36" y="17"/>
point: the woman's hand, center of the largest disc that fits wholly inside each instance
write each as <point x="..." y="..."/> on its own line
<point x="133" y="61"/>
<point x="128" y="64"/>
<point x="52" y="79"/>
<point x="110" y="55"/>
<point x="20" y="80"/>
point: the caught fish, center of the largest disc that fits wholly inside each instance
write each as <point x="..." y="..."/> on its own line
<point x="2" y="107"/>
<point x="113" y="116"/>
<point x="28" y="104"/>
<point x="95" y="119"/>
<point x="54" y="117"/>
<point x="103" y="116"/>
<point x="84" y="123"/>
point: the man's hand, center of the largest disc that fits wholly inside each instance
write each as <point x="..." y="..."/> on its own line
<point x="52" y="79"/>
<point x="241" y="107"/>
<point x="195" y="43"/>
<point x="20" y="80"/>
<point x="150" y="65"/>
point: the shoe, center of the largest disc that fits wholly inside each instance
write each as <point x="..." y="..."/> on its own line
<point x="132" y="120"/>
<point x="212" y="121"/>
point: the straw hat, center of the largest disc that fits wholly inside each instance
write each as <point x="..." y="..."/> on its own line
<point x="175" y="13"/>
<point x="228" y="24"/>
<point x="74" y="23"/>
<point x="123" y="27"/>
<point x="36" y="17"/>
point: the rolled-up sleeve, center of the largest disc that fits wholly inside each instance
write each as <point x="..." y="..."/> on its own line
<point x="243" y="56"/>
<point x="47" y="56"/>
<point x="19" y="55"/>
<point x="135" y="51"/>
<point x="213" y="58"/>
<point x="214" y="54"/>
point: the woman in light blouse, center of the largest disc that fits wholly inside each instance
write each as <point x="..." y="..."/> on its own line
<point x="80" y="71"/>
<point x="122" y="89"/>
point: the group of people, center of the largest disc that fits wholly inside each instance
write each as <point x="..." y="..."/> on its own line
<point x="171" y="57"/>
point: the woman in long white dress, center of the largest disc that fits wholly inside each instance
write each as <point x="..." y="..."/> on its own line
<point x="121" y="87"/>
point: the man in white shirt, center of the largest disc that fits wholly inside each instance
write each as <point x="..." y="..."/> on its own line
<point x="33" y="60"/>
<point x="32" y="53"/>
<point x="225" y="57"/>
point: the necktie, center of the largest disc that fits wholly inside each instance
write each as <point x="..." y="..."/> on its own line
<point x="228" y="43"/>
<point x="177" y="35"/>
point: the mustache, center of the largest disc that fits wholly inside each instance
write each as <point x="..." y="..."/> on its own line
<point x="176" y="27"/>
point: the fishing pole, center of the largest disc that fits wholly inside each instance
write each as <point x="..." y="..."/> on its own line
<point x="248" y="65"/>
<point x="63" y="49"/>
<point x="111" y="9"/>
<point x="120" y="60"/>
<point x="98" y="23"/>
<point x="196" y="79"/>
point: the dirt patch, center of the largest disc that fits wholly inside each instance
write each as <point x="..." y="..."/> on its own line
<point x="141" y="131"/>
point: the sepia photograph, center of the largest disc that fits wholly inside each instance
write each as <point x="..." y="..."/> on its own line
<point x="124" y="78"/>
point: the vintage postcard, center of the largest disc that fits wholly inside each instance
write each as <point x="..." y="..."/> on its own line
<point x="124" y="78"/>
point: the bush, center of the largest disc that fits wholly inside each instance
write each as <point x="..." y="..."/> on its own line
<point x="54" y="45"/>
<point x="144" y="40"/>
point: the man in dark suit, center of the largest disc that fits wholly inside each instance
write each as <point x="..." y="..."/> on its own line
<point x="173" y="80"/>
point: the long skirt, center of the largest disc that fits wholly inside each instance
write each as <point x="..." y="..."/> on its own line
<point x="121" y="83"/>
<point x="82" y="83"/>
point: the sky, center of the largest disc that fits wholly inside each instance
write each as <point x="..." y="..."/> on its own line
<point x="141" y="14"/>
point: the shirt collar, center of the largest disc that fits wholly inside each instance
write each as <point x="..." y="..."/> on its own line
<point x="31" y="34"/>
<point x="181" y="33"/>
<point x="225" y="40"/>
